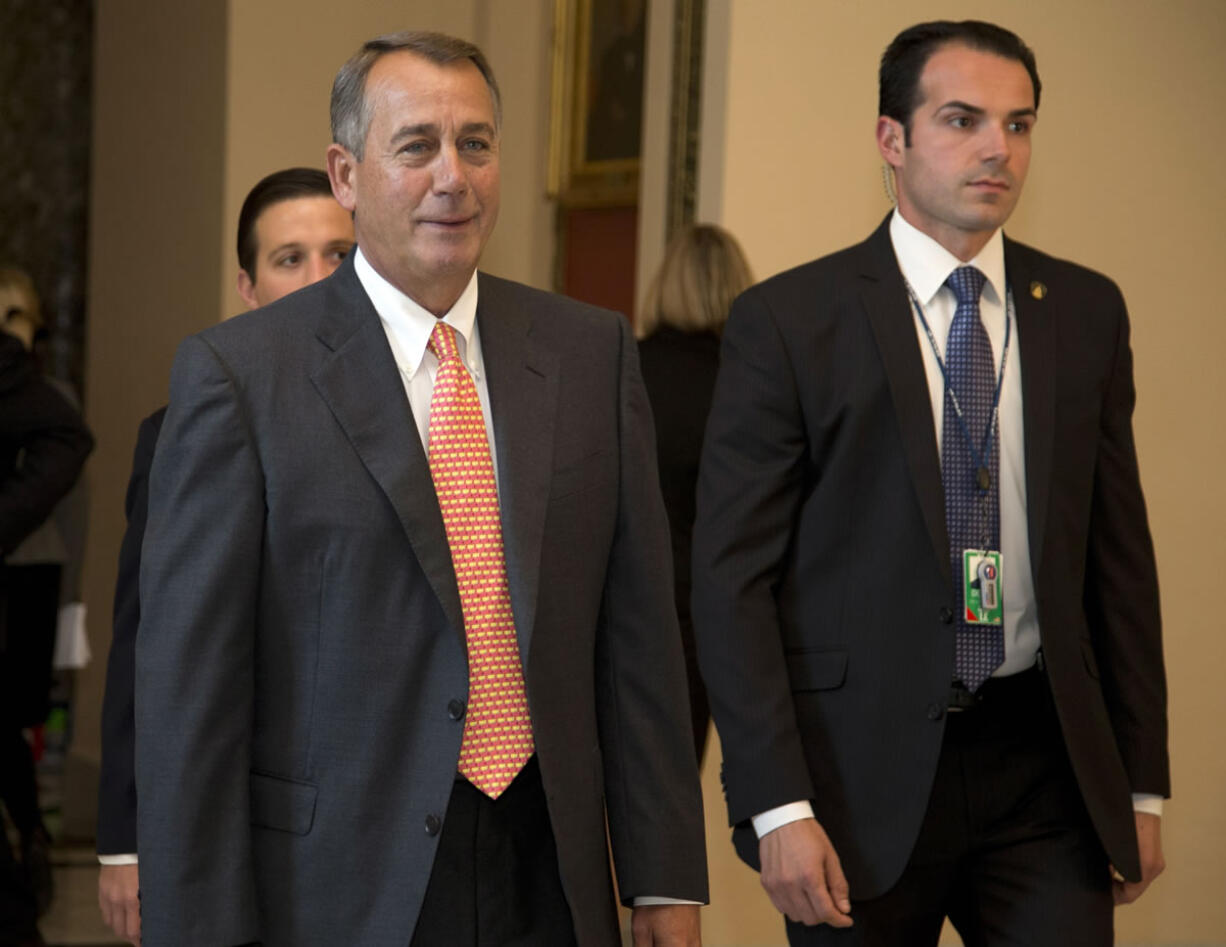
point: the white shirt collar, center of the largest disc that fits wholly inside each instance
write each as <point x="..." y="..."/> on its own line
<point x="409" y="325"/>
<point x="926" y="264"/>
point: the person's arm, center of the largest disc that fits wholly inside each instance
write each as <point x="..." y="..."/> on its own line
<point x="119" y="879"/>
<point x="54" y="443"/>
<point x="1121" y="596"/>
<point x="653" y="794"/>
<point x="199" y="581"/>
<point x="117" y="779"/>
<point x="750" y="487"/>
<point x="751" y="483"/>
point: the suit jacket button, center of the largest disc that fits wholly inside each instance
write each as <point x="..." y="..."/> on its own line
<point x="455" y="709"/>
<point x="433" y="824"/>
<point x="946" y="614"/>
<point x="935" y="711"/>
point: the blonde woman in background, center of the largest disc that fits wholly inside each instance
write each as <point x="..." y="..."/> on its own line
<point x="684" y="311"/>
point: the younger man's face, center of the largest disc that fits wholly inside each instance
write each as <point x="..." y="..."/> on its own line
<point x="298" y="242"/>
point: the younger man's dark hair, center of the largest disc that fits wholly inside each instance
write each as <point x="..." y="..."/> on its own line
<point x="904" y="60"/>
<point x="277" y="187"/>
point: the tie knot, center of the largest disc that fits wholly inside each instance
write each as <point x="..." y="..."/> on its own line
<point x="442" y="342"/>
<point x="967" y="283"/>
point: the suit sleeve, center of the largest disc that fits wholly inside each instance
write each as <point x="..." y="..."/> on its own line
<point x="54" y="443"/>
<point x="1121" y="593"/>
<point x="750" y="487"/>
<point x="653" y="796"/>
<point x="200" y="567"/>
<point x="117" y="779"/>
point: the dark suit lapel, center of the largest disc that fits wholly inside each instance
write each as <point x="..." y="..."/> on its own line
<point x="884" y="297"/>
<point x="523" y="385"/>
<point x="1036" y="336"/>
<point x="360" y="383"/>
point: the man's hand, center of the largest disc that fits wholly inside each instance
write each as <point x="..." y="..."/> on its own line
<point x="1149" y="841"/>
<point x="666" y="925"/>
<point x="118" y="887"/>
<point x="802" y="874"/>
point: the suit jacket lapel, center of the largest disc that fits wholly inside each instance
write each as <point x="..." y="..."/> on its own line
<point x="1036" y="336"/>
<point x="360" y="383"/>
<point x="523" y="384"/>
<point x="885" y="301"/>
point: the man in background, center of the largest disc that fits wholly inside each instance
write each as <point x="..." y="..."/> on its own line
<point x="291" y="233"/>
<point x="924" y="587"/>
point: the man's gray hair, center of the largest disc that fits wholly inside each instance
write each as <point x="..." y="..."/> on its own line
<point x="350" y="109"/>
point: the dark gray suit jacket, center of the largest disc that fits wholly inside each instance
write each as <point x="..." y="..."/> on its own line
<point x="822" y="586"/>
<point x="301" y="637"/>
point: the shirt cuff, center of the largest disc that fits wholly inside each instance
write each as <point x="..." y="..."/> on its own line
<point x="1147" y="802"/>
<point x="780" y="816"/>
<point x="125" y="859"/>
<point x="650" y="900"/>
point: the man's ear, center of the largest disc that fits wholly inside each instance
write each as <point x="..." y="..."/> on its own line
<point x="891" y="140"/>
<point x="341" y="163"/>
<point x="246" y="289"/>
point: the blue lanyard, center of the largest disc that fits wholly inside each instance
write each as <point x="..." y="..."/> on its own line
<point x="979" y="457"/>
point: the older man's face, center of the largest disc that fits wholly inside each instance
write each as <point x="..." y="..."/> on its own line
<point x="425" y="195"/>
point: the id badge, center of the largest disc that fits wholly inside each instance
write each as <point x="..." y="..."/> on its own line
<point x="982" y="587"/>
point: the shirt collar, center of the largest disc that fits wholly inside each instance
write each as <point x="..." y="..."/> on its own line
<point x="409" y="325"/>
<point x="926" y="264"/>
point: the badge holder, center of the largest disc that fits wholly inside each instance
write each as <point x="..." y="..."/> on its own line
<point x="981" y="587"/>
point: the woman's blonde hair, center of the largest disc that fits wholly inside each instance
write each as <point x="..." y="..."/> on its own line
<point x="17" y="279"/>
<point x="704" y="269"/>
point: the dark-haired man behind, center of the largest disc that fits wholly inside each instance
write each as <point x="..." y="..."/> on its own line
<point x="291" y="233"/>
<point x="965" y="754"/>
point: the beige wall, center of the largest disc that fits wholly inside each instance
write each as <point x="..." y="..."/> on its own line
<point x="1124" y="179"/>
<point x="154" y="274"/>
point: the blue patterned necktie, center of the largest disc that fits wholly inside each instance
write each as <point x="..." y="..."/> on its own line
<point x="979" y="649"/>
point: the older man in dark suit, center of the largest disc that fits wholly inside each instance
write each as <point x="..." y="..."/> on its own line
<point x="924" y="587"/>
<point x="405" y="578"/>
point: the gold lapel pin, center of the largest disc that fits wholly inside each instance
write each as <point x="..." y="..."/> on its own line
<point x="1038" y="290"/>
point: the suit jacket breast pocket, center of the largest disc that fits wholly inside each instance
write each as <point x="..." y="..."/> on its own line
<point x="286" y="805"/>
<point x="586" y="473"/>
<point x="816" y="670"/>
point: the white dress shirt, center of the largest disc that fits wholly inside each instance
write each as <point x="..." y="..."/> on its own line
<point x="408" y="327"/>
<point x="925" y="265"/>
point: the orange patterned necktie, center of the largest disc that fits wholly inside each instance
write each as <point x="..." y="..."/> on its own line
<point x="497" y="738"/>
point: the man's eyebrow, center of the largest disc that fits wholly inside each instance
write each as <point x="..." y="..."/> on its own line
<point x="960" y="106"/>
<point x="412" y="131"/>
<point x="429" y="129"/>
<point x="288" y="245"/>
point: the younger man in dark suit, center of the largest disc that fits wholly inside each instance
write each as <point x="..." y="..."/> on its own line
<point x="924" y="587"/>
<point x="291" y="233"/>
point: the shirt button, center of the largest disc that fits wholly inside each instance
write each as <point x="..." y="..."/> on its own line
<point x="935" y="711"/>
<point x="433" y="825"/>
<point x="455" y="709"/>
<point x="946" y="614"/>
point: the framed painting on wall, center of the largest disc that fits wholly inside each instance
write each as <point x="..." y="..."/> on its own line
<point x="599" y="55"/>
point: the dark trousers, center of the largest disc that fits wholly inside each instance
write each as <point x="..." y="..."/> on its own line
<point x="495" y="879"/>
<point x="1006" y="850"/>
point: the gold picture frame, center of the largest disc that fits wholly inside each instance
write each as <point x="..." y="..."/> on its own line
<point x="599" y="56"/>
